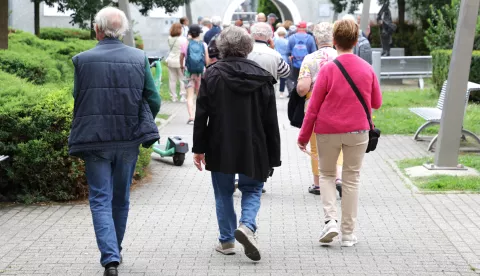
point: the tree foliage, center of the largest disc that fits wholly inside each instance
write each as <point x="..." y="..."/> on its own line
<point x="85" y="10"/>
<point x="442" y="24"/>
<point x="267" y="7"/>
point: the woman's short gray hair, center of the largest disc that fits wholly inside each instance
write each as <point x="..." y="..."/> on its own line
<point x="323" y="33"/>
<point x="112" y="22"/>
<point x="234" y="42"/>
<point x="261" y="31"/>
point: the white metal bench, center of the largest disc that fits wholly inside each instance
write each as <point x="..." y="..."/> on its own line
<point x="407" y="67"/>
<point x="3" y="157"/>
<point x="433" y="115"/>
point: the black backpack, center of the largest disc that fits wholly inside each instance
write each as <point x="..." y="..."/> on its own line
<point x="213" y="51"/>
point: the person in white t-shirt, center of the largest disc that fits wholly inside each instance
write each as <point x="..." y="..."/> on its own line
<point x="184" y="21"/>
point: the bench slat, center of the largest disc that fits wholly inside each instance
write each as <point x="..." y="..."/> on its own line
<point x="428" y="113"/>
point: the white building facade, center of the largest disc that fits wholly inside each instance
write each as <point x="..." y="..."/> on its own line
<point x="154" y="28"/>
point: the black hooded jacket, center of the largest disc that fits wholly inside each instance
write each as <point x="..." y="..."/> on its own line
<point x="236" y="123"/>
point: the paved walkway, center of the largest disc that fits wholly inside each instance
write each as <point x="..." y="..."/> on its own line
<point x="172" y="227"/>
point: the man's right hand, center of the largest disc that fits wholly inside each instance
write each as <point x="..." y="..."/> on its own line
<point x="198" y="160"/>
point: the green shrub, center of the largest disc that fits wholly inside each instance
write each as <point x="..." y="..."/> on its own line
<point x="36" y="77"/>
<point x="34" y="127"/>
<point x="408" y="36"/>
<point x="30" y="66"/>
<point x="139" y="42"/>
<point x="142" y="164"/>
<point x="41" y="61"/>
<point x="61" y="34"/>
<point x="35" y="135"/>
<point x="442" y="26"/>
<point x="441" y="65"/>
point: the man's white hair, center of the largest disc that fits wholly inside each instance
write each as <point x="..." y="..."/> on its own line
<point x="217" y="21"/>
<point x="112" y="22"/>
<point x="261" y="31"/>
<point x="351" y="17"/>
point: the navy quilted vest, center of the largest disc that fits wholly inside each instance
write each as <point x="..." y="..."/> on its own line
<point x="109" y="110"/>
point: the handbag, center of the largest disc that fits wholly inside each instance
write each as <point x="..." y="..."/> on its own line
<point x="373" y="133"/>
<point x="173" y="44"/>
<point x="296" y="109"/>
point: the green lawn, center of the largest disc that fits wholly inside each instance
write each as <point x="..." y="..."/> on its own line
<point x="163" y="116"/>
<point x="395" y="118"/>
<point x="442" y="183"/>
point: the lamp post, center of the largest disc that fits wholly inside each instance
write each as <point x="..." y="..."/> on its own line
<point x="125" y="7"/>
<point x="446" y="155"/>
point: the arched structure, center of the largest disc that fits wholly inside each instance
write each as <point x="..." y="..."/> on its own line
<point x="288" y="10"/>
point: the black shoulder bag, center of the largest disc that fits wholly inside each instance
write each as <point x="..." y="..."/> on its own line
<point x="374" y="133"/>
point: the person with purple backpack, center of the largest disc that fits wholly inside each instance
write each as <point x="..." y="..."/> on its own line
<point x="300" y="45"/>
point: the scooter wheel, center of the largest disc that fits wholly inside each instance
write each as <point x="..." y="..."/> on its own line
<point x="178" y="159"/>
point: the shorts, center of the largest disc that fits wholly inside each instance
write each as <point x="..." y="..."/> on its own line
<point x="192" y="80"/>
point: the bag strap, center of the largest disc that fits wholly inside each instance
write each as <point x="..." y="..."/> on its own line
<point x="173" y="44"/>
<point x="355" y="89"/>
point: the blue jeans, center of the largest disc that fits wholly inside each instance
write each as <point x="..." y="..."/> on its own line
<point x="224" y="187"/>
<point x="282" y="84"/>
<point x="109" y="175"/>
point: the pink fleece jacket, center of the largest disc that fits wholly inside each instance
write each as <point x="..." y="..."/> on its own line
<point x="334" y="107"/>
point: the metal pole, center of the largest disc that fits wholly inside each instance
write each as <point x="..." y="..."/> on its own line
<point x="377" y="63"/>
<point x="446" y="155"/>
<point x="128" y="38"/>
<point x="365" y="16"/>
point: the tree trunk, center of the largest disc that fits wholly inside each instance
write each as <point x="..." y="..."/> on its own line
<point x="37" y="17"/>
<point x="188" y="10"/>
<point x="92" y="28"/>
<point x="3" y="24"/>
<point x="401" y="12"/>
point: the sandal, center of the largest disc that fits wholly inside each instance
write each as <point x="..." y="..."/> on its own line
<point x="338" y="184"/>
<point x="314" y="190"/>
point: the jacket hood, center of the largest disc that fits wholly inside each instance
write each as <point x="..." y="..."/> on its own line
<point x="242" y="75"/>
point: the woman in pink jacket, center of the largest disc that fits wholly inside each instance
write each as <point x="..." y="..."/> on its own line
<point x="340" y="123"/>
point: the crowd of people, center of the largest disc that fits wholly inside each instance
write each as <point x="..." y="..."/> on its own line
<point x="232" y="72"/>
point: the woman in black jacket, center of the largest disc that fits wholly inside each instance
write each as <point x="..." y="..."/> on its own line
<point x="236" y="131"/>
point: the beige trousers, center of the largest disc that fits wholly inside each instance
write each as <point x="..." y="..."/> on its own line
<point x="175" y="75"/>
<point x="329" y="147"/>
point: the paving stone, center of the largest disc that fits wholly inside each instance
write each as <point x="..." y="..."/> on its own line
<point x="172" y="227"/>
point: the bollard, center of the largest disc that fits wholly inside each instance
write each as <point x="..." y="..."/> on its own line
<point x="377" y="64"/>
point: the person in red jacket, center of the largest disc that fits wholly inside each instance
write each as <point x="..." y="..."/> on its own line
<point x="340" y="123"/>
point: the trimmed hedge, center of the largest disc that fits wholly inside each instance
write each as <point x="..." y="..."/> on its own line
<point x="41" y="61"/>
<point x="36" y="107"/>
<point x="34" y="127"/>
<point x="408" y="36"/>
<point x="61" y="34"/>
<point x="441" y="64"/>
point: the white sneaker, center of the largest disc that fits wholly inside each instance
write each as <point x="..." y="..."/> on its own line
<point x="349" y="240"/>
<point x="330" y="231"/>
<point x="246" y="237"/>
<point x="182" y="99"/>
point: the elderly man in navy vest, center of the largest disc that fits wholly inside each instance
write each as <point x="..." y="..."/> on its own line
<point x="115" y="105"/>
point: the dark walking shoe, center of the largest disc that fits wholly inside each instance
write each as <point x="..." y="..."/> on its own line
<point x="246" y="237"/>
<point x="111" y="271"/>
<point x="338" y="184"/>
<point x="314" y="190"/>
<point x="263" y="191"/>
